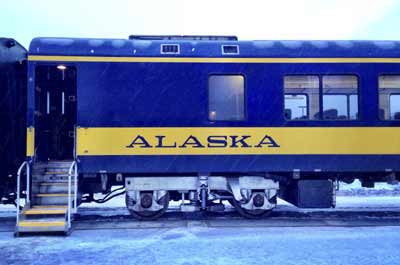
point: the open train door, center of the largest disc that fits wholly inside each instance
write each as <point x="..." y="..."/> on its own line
<point x="55" y="112"/>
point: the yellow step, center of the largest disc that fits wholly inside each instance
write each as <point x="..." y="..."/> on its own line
<point x="44" y="211"/>
<point x="52" y="195"/>
<point x="49" y="206"/>
<point x="41" y="224"/>
<point x="54" y="184"/>
<point x="56" y="173"/>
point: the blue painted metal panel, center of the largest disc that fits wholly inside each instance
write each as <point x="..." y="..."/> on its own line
<point x="238" y="163"/>
<point x="112" y="94"/>
<point x="175" y="94"/>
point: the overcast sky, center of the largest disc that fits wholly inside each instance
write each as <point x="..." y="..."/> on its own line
<point x="248" y="19"/>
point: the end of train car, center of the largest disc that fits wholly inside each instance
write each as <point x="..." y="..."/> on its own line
<point x="12" y="114"/>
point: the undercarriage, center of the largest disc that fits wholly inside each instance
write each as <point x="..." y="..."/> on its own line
<point x="252" y="196"/>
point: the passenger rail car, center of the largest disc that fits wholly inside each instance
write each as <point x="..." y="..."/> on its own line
<point x="12" y="114"/>
<point x="203" y="119"/>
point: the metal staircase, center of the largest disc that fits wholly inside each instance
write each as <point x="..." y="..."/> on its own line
<point x="51" y="197"/>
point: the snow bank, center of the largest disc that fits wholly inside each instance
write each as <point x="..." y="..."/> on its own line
<point x="380" y="189"/>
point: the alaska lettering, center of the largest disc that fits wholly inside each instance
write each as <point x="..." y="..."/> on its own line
<point x="212" y="141"/>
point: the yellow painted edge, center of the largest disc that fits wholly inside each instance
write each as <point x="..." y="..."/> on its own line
<point x="45" y="211"/>
<point x="40" y="224"/>
<point x="52" y="195"/>
<point x="56" y="173"/>
<point x="207" y="60"/>
<point x="48" y="206"/>
<point x="54" y="184"/>
<point x="30" y="141"/>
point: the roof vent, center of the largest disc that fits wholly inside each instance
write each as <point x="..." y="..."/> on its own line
<point x="230" y="49"/>
<point x="170" y="49"/>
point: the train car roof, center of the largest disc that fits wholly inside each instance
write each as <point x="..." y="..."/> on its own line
<point x="213" y="48"/>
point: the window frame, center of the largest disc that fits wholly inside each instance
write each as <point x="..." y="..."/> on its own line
<point x="347" y="104"/>
<point x="341" y="94"/>
<point x="230" y="53"/>
<point x="378" y="96"/>
<point x="321" y="95"/>
<point x="245" y="112"/>
<point x="308" y="101"/>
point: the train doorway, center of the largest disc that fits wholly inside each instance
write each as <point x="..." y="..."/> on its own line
<point x="55" y="112"/>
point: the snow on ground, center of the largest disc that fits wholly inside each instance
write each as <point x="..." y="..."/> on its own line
<point x="197" y="245"/>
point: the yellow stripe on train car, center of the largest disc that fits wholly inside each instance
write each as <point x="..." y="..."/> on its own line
<point x="238" y="141"/>
<point x="30" y="141"/>
<point x="51" y="58"/>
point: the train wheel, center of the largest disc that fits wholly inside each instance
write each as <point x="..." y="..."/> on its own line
<point x="144" y="214"/>
<point x="250" y="214"/>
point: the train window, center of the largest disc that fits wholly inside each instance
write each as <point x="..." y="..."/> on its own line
<point x="389" y="97"/>
<point x="296" y="107"/>
<point x="340" y="97"/>
<point x="395" y="107"/>
<point x="301" y="97"/>
<point x="226" y="97"/>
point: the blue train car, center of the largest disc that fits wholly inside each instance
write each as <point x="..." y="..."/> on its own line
<point x="205" y="119"/>
<point x="12" y="114"/>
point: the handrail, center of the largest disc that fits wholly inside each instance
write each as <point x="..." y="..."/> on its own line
<point x="72" y="168"/>
<point x="27" y="200"/>
<point x="74" y="151"/>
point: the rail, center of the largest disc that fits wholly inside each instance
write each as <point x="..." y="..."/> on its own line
<point x="27" y="192"/>
<point x="73" y="171"/>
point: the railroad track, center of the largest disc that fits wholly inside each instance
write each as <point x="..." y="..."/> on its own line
<point x="119" y="218"/>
